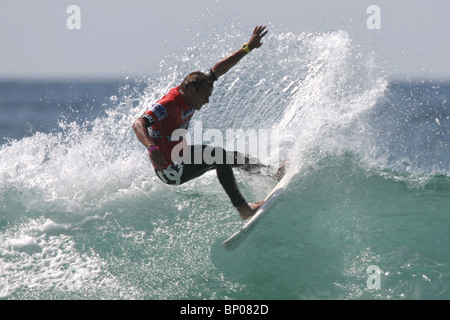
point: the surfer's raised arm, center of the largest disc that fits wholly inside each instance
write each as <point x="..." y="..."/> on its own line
<point x="223" y="66"/>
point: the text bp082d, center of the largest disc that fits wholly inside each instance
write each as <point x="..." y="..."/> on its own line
<point x="228" y="309"/>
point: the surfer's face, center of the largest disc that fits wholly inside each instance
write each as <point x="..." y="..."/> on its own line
<point x="197" y="98"/>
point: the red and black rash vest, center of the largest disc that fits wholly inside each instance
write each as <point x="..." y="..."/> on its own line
<point x="164" y="117"/>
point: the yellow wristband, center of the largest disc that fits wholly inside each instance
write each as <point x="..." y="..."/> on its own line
<point x="246" y="48"/>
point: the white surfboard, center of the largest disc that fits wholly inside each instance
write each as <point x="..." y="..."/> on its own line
<point x="238" y="238"/>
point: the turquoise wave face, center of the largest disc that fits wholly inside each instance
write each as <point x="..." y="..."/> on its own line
<point x="335" y="221"/>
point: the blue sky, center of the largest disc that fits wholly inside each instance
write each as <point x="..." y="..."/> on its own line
<point x="130" y="37"/>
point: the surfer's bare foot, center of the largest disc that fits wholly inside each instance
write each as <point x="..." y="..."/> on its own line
<point x="281" y="171"/>
<point x="247" y="210"/>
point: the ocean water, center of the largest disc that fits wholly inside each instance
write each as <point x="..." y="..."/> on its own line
<point x="83" y="216"/>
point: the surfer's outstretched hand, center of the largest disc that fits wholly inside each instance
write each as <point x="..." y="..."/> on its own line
<point x="258" y="34"/>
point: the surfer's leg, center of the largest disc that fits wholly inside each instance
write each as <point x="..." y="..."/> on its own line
<point x="179" y="173"/>
<point x="224" y="172"/>
<point x="228" y="182"/>
<point x="184" y="172"/>
<point x="218" y="158"/>
<point x="252" y="165"/>
<point x="244" y="162"/>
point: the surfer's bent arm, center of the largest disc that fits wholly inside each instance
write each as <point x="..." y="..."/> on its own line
<point x="140" y="127"/>
<point x="223" y="66"/>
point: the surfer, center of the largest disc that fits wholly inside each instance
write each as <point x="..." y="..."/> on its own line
<point x="155" y="127"/>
